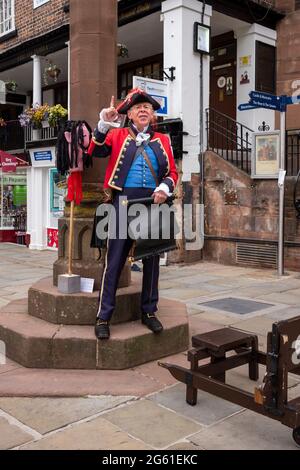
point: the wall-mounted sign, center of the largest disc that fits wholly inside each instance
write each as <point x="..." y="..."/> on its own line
<point x="43" y="157"/>
<point x="221" y="82"/>
<point x="202" y="39"/>
<point x="265" y="154"/>
<point x="245" y="61"/>
<point x="244" y="78"/>
<point x="8" y="162"/>
<point x="229" y="86"/>
<point x="158" y="89"/>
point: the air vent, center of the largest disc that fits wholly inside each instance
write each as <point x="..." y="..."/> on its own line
<point x="256" y="254"/>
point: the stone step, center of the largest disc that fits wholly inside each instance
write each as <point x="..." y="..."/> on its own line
<point x="47" y="303"/>
<point x="35" y="343"/>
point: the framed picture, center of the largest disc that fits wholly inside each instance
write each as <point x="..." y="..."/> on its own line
<point x="202" y="38"/>
<point x="265" y="155"/>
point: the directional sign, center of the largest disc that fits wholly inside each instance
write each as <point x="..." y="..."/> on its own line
<point x="246" y="106"/>
<point x="265" y="100"/>
<point x="291" y="99"/>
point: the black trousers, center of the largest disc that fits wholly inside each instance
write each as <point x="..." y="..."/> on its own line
<point x="116" y="255"/>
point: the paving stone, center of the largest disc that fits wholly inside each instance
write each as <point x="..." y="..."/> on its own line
<point x="261" y="325"/>
<point x="12" y="436"/>
<point x="282" y="297"/>
<point x="285" y="313"/>
<point x="209" y="409"/>
<point x="185" y="446"/>
<point x="47" y="414"/>
<point x="152" y="423"/>
<point x="98" y="434"/>
<point x="236" y="305"/>
<point x="246" y="431"/>
<point x="216" y="317"/>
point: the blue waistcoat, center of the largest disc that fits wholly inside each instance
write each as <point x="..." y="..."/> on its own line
<point x="139" y="175"/>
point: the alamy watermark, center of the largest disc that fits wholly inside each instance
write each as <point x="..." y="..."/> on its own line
<point x="296" y="353"/>
<point x="2" y="353"/>
<point x="152" y="222"/>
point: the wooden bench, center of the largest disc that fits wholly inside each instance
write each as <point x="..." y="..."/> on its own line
<point x="228" y="348"/>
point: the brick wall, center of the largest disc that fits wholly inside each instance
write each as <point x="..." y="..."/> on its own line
<point x="31" y="23"/>
<point x="288" y="57"/>
<point x="237" y="206"/>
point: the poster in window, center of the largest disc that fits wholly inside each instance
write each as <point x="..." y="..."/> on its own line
<point x="57" y="191"/>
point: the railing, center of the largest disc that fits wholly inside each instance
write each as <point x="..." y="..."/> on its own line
<point x="229" y="139"/>
<point x="12" y="136"/>
<point x="292" y="161"/>
<point x="46" y="133"/>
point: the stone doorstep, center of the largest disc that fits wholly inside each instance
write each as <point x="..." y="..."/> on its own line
<point x="47" y="303"/>
<point x="36" y="343"/>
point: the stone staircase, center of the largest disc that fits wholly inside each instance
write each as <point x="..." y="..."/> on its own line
<point x="54" y="330"/>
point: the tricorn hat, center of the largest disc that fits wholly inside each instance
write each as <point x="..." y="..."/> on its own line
<point x="135" y="96"/>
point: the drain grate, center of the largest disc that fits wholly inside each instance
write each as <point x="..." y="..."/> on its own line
<point x="235" y="305"/>
<point x="256" y="254"/>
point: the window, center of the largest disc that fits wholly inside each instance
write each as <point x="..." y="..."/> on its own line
<point x="38" y="3"/>
<point x="151" y="67"/>
<point x="7" y="16"/>
<point x="265" y="68"/>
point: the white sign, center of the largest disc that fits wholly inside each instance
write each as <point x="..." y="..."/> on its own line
<point x="2" y="92"/>
<point x="221" y="82"/>
<point x="158" y="89"/>
<point x="43" y="157"/>
<point x="87" y="285"/>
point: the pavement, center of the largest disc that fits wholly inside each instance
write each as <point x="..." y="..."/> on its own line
<point x="144" y="407"/>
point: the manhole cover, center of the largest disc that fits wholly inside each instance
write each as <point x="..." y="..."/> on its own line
<point x="239" y="306"/>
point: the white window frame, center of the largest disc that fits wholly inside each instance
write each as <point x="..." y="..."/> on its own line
<point x="6" y="17"/>
<point x="38" y="3"/>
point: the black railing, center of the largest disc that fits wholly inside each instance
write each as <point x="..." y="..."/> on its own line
<point x="229" y="139"/>
<point x="12" y="136"/>
<point x="292" y="159"/>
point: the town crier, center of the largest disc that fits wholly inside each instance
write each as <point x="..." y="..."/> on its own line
<point x="141" y="164"/>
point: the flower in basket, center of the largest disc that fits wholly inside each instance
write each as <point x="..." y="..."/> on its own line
<point x="34" y="116"/>
<point x="56" y="113"/>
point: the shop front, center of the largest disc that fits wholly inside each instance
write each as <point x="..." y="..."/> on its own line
<point x="45" y="196"/>
<point x="13" y="199"/>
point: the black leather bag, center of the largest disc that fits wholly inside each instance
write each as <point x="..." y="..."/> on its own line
<point x="157" y="228"/>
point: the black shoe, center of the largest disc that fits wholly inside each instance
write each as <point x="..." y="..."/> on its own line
<point x="102" y="329"/>
<point x="150" y="320"/>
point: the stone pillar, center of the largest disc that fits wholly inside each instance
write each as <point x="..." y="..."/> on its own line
<point x="179" y="17"/>
<point x="93" y="79"/>
<point x="246" y="46"/>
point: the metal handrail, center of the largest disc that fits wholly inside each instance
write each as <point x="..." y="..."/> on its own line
<point x="228" y="138"/>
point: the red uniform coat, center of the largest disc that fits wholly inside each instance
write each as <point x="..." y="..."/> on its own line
<point x="120" y="145"/>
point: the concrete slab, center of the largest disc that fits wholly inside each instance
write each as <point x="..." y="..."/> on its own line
<point x="47" y="414"/>
<point x="246" y="431"/>
<point x="97" y="434"/>
<point x="8" y="366"/>
<point x="208" y="410"/>
<point x="151" y="423"/>
<point x="12" y="436"/>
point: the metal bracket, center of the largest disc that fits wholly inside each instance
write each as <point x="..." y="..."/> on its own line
<point x="172" y="76"/>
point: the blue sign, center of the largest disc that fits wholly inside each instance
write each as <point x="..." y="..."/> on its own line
<point x="265" y="100"/>
<point x="291" y="99"/>
<point x="42" y="156"/>
<point x="163" y="100"/>
<point x="246" y="106"/>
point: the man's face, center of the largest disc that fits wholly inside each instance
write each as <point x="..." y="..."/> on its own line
<point x="141" y="115"/>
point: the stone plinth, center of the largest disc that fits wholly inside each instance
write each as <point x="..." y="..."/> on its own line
<point x="36" y="343"/>
<point x="46" y="303"/>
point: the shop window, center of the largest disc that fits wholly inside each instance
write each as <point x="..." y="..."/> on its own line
<point x="7" y="16"/>
<point x="13" y="201"/>
<point x="152" y="67"/>
<point x="265" y="68"/>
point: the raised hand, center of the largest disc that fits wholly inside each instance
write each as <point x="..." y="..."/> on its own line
<point x="111" y="112"/>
